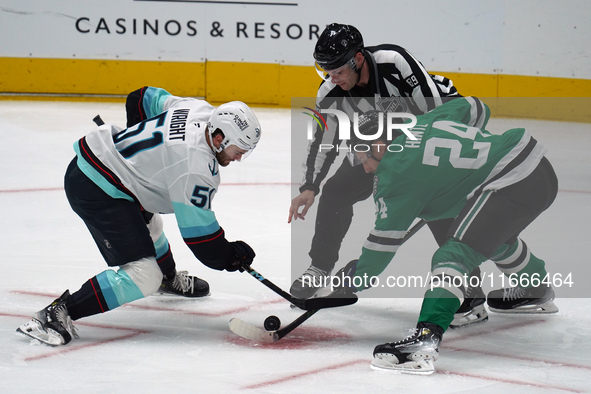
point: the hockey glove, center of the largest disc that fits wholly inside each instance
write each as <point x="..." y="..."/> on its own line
<point x="348" y="281"/>
<point x="244" y="255"/>
<point x="134" y="107"/>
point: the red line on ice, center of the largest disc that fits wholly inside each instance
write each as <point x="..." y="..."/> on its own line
<point x="510" y="381"/>
<point x="46" y="189"/>
<point x="513" y="357"/>
<point x="445" y="345"/>
<point x="307" y="373"/>
<point x="362" y="361"/>
<point x="61" y="350"/>
<point x="89" y="345"/>
<point x="52" y="189"/>
<point x="187" y="312"/>
<point x="210" y="314"/>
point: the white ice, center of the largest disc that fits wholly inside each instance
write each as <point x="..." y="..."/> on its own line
<point x="170" y="345"/>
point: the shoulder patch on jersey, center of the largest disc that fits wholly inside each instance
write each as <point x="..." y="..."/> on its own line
<point x="392" y="104"/>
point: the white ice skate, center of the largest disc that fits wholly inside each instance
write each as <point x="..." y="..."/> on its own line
<point x="51" y="325"/>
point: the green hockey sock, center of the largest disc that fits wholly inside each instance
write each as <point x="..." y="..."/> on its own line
<point x="439" y="307"/>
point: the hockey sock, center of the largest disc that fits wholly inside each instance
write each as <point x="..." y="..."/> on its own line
<point x="87" y="301"/>
<point x="439" y="307"/>
<point x="111" y="289"/>
<point x="100" y="294"/>
<point x="167" y="264"/>
<point x="164" y="257"/>
<point x="517" y="261"/>
<point x="451" y="266"/>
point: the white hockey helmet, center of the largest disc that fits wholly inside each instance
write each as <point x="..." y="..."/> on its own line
<point x="239" y="125"/>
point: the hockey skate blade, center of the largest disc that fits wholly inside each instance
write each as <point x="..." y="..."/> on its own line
<point x="422" y="367"/>
<point x="547" y="307"/>
<point x="477" y="315"/>
<point x="248" y="331"/>
<point x="33" y="329"/>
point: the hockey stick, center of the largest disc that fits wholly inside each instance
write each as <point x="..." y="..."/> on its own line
<point x="412" y="231"/>
<point x="253" y="333"/>
<point x="307" y="304"/>
<point x="98" y="120"/>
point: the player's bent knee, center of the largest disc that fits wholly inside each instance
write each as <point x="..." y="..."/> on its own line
<point x="145" y="273"/>
<point x="457" y="253"/>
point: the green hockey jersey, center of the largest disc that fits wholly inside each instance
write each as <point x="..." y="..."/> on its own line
<point x="433" y="177"/>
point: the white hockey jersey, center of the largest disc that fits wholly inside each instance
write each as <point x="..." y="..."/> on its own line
<point x="163" y="162"/>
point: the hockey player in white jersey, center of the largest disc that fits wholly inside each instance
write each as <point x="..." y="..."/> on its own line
<point x="166" y="161"/>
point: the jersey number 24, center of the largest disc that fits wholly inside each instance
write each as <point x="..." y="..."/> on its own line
<point x="455" y="146"/>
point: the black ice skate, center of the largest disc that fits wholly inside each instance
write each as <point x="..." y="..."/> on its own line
<point x="184" y="285"/>
<point x="415" y="354"/>
<point x="309" y="283"/>
<point x="472" y="310"/>
<point x="52" y="325"/>
<point x="519" y="300"/>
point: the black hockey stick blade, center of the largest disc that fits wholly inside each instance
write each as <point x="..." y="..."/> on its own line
<point x="307" y="304"/>
<point x="98" y="120"/>
<point x="248" y="331"/>
<point x="330" y="301"/>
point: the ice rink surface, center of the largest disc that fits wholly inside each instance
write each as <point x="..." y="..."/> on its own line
<point x="163" y="344"/>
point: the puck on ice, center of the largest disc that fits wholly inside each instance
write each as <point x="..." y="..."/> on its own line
<point x="272" y="323"/>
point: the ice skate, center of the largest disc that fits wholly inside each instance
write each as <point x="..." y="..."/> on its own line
<point x="51" y="325"/>
<point x="519" y="300"/>
<point x="309" y="283"/>
<point x="184" y="285"/>
<point x="415" y="354"/>
<point x="472" y="310"/>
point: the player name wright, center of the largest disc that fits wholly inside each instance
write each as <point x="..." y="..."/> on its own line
<point x="178" y="123"/>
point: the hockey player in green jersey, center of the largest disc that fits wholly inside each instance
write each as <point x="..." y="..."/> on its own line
<point x="375" y="77"/>
<point x="493" y="185"/>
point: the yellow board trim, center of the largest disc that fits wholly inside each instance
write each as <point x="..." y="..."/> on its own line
<point x="268" y="84"/>
<point x="98" y="77"/>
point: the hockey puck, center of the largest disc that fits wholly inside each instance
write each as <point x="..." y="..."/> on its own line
<point x="272" y="323"/>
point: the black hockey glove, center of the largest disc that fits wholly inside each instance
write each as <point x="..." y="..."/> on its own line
<point x="346" y="277"/>
<point x="134" y="108"/>
<point x="244" y="255"/>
